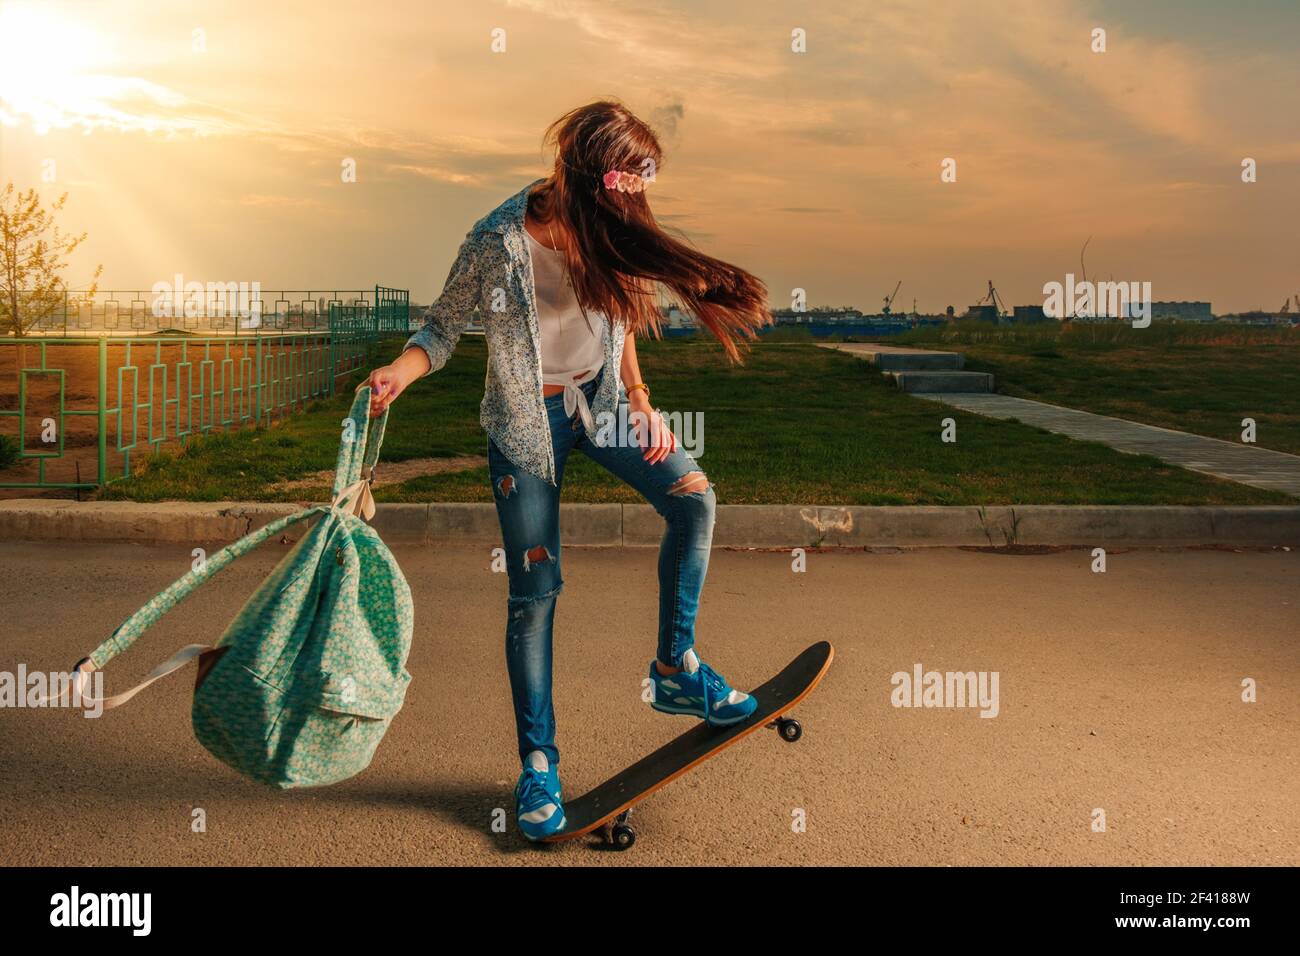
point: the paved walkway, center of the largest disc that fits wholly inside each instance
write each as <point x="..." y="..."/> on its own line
<point x="1250" y="465"/>
<point x="1119" y="690"/>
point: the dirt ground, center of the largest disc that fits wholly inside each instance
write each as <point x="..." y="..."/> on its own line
<point x="175" y="369"/>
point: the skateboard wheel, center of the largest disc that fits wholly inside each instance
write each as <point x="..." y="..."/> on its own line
<point x="622" y="836"/>
<point x="789" y="729"/>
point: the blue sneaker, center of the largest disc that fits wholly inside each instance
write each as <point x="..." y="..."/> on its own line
<point x="537" y="798"/>
<point x="700" y="691"/>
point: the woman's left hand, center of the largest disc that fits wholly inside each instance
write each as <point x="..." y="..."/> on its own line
<point x="652" y="432"/>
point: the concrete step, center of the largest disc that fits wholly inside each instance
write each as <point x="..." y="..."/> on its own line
<point x="915" y="360"/>
<point x="893" y="358"/>
<point x="923" y="381"/>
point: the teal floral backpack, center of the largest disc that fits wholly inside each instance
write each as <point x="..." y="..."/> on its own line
<point x="303" y="684"/>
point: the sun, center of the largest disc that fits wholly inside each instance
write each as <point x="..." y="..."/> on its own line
<point x="48" y="70"/>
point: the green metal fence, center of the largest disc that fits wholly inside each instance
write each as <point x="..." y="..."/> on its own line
<point x="80" y="408"/>
<point x="211" y="309"/>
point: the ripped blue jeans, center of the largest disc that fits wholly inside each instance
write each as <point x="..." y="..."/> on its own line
<point x="529" y="510"/>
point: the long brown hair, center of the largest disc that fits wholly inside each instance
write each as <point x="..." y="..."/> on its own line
<point x="616" y="251"/>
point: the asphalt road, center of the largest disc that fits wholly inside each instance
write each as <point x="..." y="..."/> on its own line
<point x="1118" y="691"/>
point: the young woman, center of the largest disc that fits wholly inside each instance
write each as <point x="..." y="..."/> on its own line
<point x="564" y="276"/>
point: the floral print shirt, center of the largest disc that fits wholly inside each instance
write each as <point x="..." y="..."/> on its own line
<point x="493" y="274"/>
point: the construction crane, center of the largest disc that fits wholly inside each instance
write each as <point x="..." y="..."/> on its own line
<point x="1286" y="307"/>
<point x="889" y="299"/>
<point x="992" y="298"/>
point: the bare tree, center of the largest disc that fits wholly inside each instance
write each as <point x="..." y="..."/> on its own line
<point x="33" y="257"/>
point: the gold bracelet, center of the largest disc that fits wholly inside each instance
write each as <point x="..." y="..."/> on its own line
<point x="633" y="388"/>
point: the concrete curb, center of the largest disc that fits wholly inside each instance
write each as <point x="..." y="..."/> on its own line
<point x="742" y="526"/>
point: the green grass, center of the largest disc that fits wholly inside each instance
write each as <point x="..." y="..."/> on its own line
<point x="795" y="424"/>
<point x="1202" y="379"/>
<point x="8" y="452"/>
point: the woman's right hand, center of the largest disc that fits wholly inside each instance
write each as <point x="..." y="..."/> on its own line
<point x="386" y="383"/>
<point x="389" y="381"/>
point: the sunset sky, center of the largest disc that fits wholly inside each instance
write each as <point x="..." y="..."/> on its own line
<point x="217" y="154"/>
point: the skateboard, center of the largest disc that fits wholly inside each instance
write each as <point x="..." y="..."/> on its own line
<point x="606" y="808"/>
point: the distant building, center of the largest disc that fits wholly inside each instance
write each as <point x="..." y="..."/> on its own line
<point x="677" y="319"/>
<point x="1260" y="317"/>
<point x="1182" y="311"/>
<point x="821" y="314"/>
<point x="982" y="313"/>
<point x="1030" y="313"/>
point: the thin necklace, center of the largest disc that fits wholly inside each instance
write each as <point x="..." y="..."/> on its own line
<point x="567" y="281"/>
<point x="551" y="237"/>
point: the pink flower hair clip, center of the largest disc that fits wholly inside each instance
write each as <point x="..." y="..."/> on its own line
<point x="625" y="182"/>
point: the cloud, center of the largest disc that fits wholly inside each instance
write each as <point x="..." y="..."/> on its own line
<point x="665" y="117"/>
<point x="675" y="41"/>
<point x="98" y="101"/>
<point x="793" y="158"/>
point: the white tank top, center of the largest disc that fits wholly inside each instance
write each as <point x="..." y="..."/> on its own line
<point x="573" y="343"/>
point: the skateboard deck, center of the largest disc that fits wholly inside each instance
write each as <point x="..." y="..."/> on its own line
<point x="610" y="802"/>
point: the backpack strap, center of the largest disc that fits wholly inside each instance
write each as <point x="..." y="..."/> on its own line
<point x="147" y="616"/>
<point x="358" y="455"/>
<point x="360" y="444"/>
<point x="81" y="673"/>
